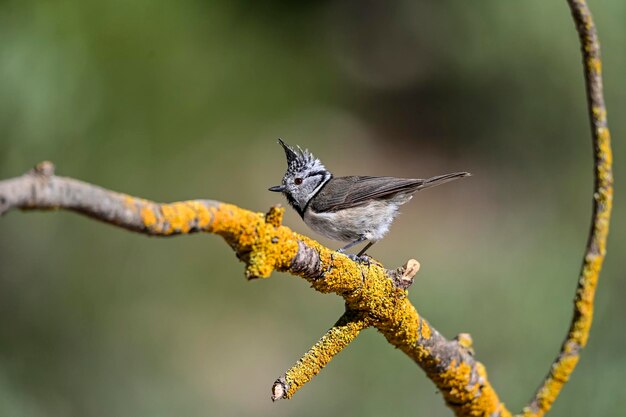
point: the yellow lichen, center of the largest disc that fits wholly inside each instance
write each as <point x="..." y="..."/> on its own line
<point x="263" y="246"/>
<point x="595" y="65"/>
<point x="274" y="217"/>
<point x="425" y="330"/>
<point x="559" y="375"/>
<point x="467" y="397"/>
<point x="129" y="201"/>
<point x="599" y="113"/>
<point x="563" y="368"/>
<point x="465" y="340"/>
<point x="333" y="342"/>
<point x="147" y="217"/>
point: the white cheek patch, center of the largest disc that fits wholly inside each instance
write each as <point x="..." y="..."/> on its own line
<point x="322" y="181"/>
<point x="320" y="184"/>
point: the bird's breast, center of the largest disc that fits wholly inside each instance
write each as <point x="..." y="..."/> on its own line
<point x="371" y="220"/>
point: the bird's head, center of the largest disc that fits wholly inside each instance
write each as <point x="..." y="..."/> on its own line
<point x="305" y="176"/>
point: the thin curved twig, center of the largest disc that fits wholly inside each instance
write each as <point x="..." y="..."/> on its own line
<point x="578" y="333"/>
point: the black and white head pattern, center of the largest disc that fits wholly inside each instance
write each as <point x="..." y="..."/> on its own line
<point x="305" y="176"/>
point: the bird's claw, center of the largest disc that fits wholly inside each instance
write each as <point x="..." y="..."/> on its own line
<point x="360" y="259"/>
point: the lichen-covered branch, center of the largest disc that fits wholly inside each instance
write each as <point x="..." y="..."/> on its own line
<point x="334" y="341"/>
<point x="374" y="296"/>
<point x="576" y="339"/>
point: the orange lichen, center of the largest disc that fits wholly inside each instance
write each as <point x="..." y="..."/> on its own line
<point x="563" y="368"/>
<point x="595" y="65"/>
<point x="425" y="330"/>
<point x="254" y="239"/>
<point x="274" y="217"/>
<point x="465" y="340"/>
<point x="333" y="342"/>
<point x="599" y="113"/>
<point x="129" y="201"/>
<point x="173" y="218"/>
<point x="252" y="235"/>
<point x="467" y="397"/>
<point x="147" y="217"/>
<point x="559" y="375"/>
<point x="604" y="173"/>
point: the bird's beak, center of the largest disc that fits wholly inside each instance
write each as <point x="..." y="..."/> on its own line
<point x="278" y="188"/>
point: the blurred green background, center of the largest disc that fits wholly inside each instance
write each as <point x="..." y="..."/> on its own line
<point x="181" y="100"/>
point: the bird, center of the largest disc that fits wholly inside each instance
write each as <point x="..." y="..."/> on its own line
<point x="351" y="209"/>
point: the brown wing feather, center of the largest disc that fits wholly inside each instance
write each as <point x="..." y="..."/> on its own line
<point x="345" y="192"/>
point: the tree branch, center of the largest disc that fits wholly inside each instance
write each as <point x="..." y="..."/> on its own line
<point x="373" y="295"/>
<point x="334" y="341"/>
<point x="578" y="333"/>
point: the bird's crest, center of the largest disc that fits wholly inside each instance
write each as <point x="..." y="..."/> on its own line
<point x="299" y="160"/>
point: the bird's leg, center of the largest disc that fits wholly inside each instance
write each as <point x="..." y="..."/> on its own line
<point x="349" y="245"/>
<point x="362" y="257"/>
<point x="357" y="258"/>
<point x="369" y="245"/>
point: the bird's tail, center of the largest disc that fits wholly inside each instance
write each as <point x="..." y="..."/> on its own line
<point x="441" y="179"/>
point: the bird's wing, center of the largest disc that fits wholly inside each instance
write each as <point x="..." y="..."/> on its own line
<point x="345" y="192"/>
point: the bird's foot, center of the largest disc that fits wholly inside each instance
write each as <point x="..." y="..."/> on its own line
<point x="360" y="259"/>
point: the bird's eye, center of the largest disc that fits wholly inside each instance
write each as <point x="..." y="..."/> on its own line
<point x="297" y="181"/>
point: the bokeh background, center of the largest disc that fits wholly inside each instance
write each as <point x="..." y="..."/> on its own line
<point x="180" y="100"/>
